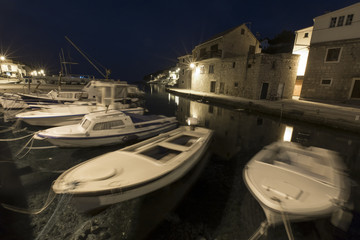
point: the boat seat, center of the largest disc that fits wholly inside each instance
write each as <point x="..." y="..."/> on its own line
<point x="282" y="189"/>
<point x="173" y="146"/>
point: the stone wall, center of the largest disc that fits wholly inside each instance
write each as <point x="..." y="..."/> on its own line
<point x="340" y="73"/>
<point x="244" y="77"/>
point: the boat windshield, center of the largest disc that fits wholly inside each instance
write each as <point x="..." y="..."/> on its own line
<point x="108" y="125"/>
<point x="85" y="124"/>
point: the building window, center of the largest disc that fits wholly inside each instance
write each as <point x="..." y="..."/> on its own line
<point x="242" y="31"/>
<point x="234" y="63"/>
<point x="326" y="82"/>
<point x="212" y="86"/>
<point x="211" y="108"/>
<point x="341" y="21"/>
<point x="211" y="68"/>
<point x="349" y="19"/>
<point x="183" y="71"/>
<point x="214" y="48"/>
<point x="306" y="35"/>
<point x="202" y="69"/>
<point x="236" y="84"/>
<point x="333" y="55"/>
<point x="333" y="22"/>
<point x="202" y="52"/>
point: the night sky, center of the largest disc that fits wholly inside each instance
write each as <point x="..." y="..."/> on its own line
<point x="135" y="38"/>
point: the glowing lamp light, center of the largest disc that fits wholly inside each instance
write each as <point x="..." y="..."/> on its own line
<point x="2" y="58"/>
<point x="191" y="121"/>
<point x="192" y="65"/>
<point x="288" y="134"/>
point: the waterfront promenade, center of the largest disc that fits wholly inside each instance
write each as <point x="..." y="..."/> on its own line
<point x="345" y="117"/>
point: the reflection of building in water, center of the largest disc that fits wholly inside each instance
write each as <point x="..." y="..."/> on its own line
<point x="345" y="143"/>
<point x="234" y="131"/>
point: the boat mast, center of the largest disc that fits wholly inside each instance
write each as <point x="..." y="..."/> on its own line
<point x="106" y="75"/>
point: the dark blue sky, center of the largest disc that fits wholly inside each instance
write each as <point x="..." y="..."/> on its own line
<point x="137" y="37"/>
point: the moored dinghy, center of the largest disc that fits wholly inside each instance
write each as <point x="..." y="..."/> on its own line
<point x="106" y="128"/>
<point x="135" y="170"/>
<point x="294" y="183"/>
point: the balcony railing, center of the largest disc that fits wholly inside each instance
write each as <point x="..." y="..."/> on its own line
<point x="210" y="54"/>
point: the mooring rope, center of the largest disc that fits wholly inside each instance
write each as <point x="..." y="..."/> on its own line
<point x="50" y="199"/>
<point x="44" y="147"/>
<point x="15" y="139"/>
<point x="31" y="141"/>
<point x="65" y="198"/>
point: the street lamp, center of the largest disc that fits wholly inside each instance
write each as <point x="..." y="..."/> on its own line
<point x="2" y="58"/>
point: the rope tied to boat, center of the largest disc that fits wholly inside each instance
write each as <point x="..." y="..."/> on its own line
<point x="49" y="200"/>
<point x="285" y="219"/>
<point x="15" y="139"/>
<point x="31" y="141"/>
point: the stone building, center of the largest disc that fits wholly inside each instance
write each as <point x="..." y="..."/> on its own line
<point x="231" y="63"/>
<point x="333" y="68"/>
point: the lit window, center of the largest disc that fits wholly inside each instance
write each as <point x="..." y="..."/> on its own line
<point x="333" y="22"/>
<point x="306" y="35"/>
<point x="349" y="19"/>
<point x="326" y="82"/>
<point x="333" y="55"/>
<point x="341" y="21"/>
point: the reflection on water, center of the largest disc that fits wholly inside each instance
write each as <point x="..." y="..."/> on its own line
<point x="218" y="205"/>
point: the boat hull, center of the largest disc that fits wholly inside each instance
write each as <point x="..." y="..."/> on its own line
<point x="110" y="140"/>
<point x="65" y="118"/>
<point x="288" y="192"/>
<point x="85" y="202"/>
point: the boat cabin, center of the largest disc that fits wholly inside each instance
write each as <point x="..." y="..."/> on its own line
<point x="108" y="121"/>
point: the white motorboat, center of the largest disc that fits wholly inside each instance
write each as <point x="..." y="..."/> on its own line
<point x="66" y="114"/>
<point x="106" y="128"/>
<point x="135" y="170"/>
<point x="295" y="183"/>
<point x="12" y="101"/>
<point x="111" y="96"/>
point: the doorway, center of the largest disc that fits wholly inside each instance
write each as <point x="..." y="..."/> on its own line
<point x="264" y="90"/>
<point x="356" y="89"/>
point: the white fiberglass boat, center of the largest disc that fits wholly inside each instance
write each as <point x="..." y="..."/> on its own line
<point x="65" y="114"/>
<point x="111" y="96"/>
<point x="135" y="170"/>
<point x="295" y="183"/>
<point x="12" y="101"/>
<point x="106" y="128"/>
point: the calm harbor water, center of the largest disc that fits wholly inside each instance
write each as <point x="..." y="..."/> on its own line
<point x="211" y="202"/>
